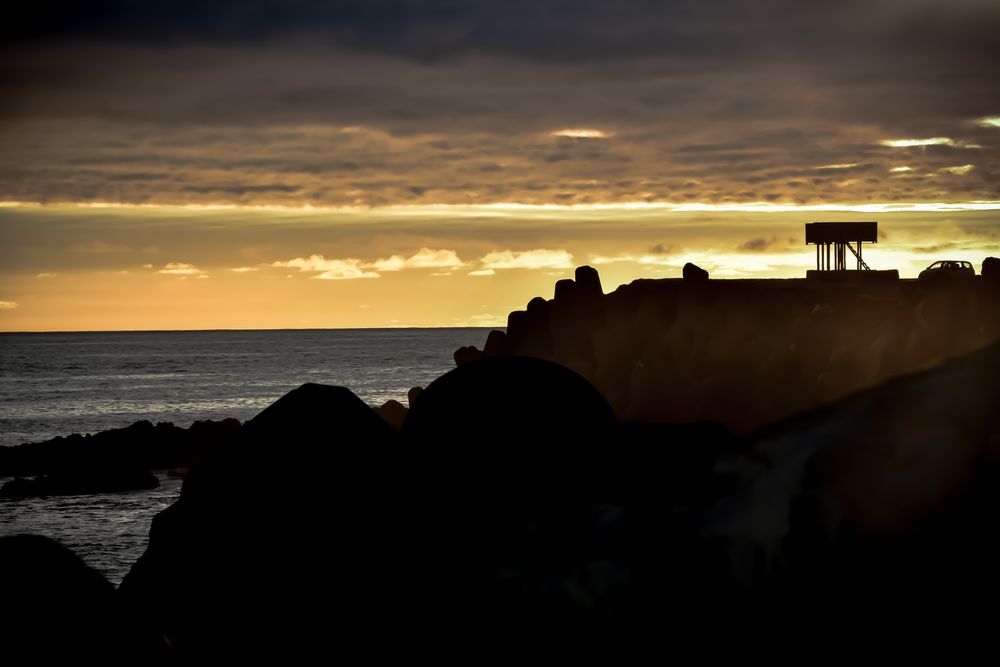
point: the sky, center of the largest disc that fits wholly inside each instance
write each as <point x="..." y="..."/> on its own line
<point x="266" y="164"/>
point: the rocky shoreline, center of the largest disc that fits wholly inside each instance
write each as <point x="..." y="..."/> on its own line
<point x="727" y="467"/>
<point x="110" y="461"/>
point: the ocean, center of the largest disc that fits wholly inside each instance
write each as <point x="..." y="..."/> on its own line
<point x="61" y="383"/>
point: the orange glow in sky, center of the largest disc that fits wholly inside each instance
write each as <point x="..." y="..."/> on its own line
<point x="120" y="267"/>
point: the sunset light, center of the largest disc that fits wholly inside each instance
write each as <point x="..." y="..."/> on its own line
<point x="580" y="133"/>
<point x="244" y="185"/>
<point x="498" y="331"/>
<point x="933" y="141"/>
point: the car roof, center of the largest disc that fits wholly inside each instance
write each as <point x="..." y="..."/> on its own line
<point x="960" y="262"/>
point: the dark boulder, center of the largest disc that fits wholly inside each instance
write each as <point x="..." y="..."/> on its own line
<point x="517" y="322"/>
<point x="140" y="446"/>
<point x="396" y="537"/>
<point x="533" y="337"/>
<point x="393" y="412"/>
<point x="538" y="307"/>
<point x="58" y="610"/>
<point x="295" y="435"/>
<point x="241" y="548"/>
<point x="588" y="282"/>
<point x="694" y="273"/>
<point x="991" y="268"/>
<point x="413" y="394"/>
<point x="509" y="400"/>
<point x="467" y="353"/>
<point x="874" y="515"/>
<point x="566" y="291"/>
<point x="496" y="343"/>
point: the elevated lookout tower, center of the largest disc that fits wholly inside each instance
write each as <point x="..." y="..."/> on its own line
<point x="834" y="239"/>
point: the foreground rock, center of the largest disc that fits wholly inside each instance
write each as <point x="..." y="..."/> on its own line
<point x="509" y="401"/>
<point x="399" y="536"/>
<point x="278" y="531"/>
<point x="875" y="516"/>
<point x="57" y="610"/>
<point x="480" y="534"/>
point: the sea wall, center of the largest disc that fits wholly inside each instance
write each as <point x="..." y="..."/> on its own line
<point x="747" y="352"/>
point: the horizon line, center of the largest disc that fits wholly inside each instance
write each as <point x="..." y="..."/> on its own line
<point x="666" y="207"/>
<point x="231" y="329"/>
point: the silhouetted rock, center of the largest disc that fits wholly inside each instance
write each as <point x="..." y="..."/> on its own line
<point x="991" y="268"/>
<point x="241" y="547"/>
<point x="393" y="412"/>
<point x="565" y="291"/>
<point x="413" y="394"/>
<point x="694" y="273"/>
<point x="516" y="321"/>
<point x="537" y="307"/>
<point x="140" y="446"/>
<point x="289" y="436"/>
<point x="464" y="355"/>
<point x="875" y="512"/>
<point x="512" y="513"/>
<point x="496" y="343"/>
<point x="533" y="335"/>
<point x="509" y="399"/>
<point x="588" y="282"/>
<point x="57" y="610"/>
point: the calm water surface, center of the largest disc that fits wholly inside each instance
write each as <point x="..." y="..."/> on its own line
<point x="60" y="383"/>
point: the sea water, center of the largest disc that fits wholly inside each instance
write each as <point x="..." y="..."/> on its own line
<point x="60" y="383"/>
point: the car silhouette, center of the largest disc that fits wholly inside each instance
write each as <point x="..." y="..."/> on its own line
<point x="947" y="269"/>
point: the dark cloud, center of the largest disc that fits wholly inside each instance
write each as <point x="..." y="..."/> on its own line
<point x="360" y="101"/>
<point x="239" y="189"/>
<point x="544" y="29"/>
<point x="540" y="29"/>
<point x="759" y="244"/>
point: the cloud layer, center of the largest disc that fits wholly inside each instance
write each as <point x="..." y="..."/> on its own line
<point x="363" y="103"/>
<point x="425" y="258"/>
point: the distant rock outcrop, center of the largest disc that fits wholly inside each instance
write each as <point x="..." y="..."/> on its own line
<point x="694" y="273"/>
<point x="991" y="268"/>
<point x="464" y="355"/>
<point x="141" y="446"/>
<point x="110" y="461"/>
